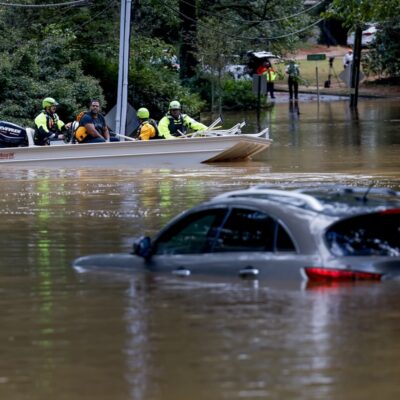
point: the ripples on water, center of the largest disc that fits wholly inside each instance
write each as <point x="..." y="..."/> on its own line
<point x="122" y="336"/>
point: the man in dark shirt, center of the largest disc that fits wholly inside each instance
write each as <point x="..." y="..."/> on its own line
<point x="93" y="127"/>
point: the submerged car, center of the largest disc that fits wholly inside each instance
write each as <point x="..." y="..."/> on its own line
<point x="325" y="233"/>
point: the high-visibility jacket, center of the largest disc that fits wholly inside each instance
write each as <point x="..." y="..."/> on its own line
<point x="169" y="126"/>
<point x="270" y="74"/>
<point x="47" y="125"/>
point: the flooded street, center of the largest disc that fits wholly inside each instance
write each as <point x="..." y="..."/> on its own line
<point x="115" y="335"/>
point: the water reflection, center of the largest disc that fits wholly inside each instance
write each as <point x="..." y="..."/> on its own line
<point x="67" y="335"/>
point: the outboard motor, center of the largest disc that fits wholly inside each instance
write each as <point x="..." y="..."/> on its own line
<point x="12" y="135"/>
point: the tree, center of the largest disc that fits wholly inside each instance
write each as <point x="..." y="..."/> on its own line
<point x="215" y="49"/>
<point x="384" y="56"/>
<point x="37" y="70"/>
<point x="355" y="13"/>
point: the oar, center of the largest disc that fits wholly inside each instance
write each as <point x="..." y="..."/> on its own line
<point x="210" y="127"/>
<point x="216" y="122"/>
<point x="213" y="125"/>
<point x="126" y="137"/>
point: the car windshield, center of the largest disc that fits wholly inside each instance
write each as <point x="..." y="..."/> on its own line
<point x="365" y="235"/>
<point x="191" y="235"/>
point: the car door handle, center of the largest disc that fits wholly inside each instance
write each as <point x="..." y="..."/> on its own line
<point x="181" y="271"/>
<point x="249" y="272"/>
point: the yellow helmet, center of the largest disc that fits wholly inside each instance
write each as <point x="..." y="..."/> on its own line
<point x="143" y="113"/>
<point x="174" y="105"/>
<point x="48" y="102"/>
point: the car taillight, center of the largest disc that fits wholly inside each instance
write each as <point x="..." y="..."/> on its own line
<point x="367" y="34"/>
<point x="392" y="211"/>
<point x="317" y="274"/>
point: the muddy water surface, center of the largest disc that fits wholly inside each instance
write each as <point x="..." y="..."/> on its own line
<point x="66" y="335"/>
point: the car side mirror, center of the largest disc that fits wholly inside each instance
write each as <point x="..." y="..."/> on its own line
<point x="142" y="247"/>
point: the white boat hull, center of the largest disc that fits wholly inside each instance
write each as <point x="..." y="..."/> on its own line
<point x="138" y="154"/>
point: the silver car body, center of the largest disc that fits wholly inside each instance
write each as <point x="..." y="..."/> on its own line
<point x="302" y="240"/>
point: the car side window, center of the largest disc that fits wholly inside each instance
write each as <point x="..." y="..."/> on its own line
<point x="193" y="234"/>
<point x="251" y="230"/>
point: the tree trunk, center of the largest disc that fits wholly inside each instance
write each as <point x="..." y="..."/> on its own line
<point x="188" y="28"/>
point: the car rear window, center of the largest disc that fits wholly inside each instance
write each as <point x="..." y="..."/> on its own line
<point x="372" y="234"/>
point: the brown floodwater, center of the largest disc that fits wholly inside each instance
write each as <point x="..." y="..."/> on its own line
<point x="105" y="335"/>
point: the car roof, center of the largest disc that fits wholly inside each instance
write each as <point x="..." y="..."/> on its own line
<point x="329" y="200"/>
<point x="261" y="54"/>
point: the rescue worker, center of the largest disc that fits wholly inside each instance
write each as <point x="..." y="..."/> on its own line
<point x="175" y="121"/>
<point x="48" y="125"/>
<point x="147" y="128"/>
<point x="270" y="74"/>
<point x="293" y="73"/>
<point x="92" y="126"/>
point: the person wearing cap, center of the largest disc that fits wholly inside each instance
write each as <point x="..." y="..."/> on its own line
<point x="175" y="124"/>
<point x="348" y="58"/>
<point x="48" y="125"/>
<point x="147" y="128"/>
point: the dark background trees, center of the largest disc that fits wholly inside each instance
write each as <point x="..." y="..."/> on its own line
<point x="71" y="53"/>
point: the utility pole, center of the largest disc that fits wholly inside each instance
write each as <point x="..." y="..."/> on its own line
<point x="355" y="68"/>
<point x="124" y="41"/>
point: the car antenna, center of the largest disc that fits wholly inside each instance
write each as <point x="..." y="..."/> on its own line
<point x="364" y="198"/>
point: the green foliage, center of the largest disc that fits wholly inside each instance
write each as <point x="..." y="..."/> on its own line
<point x="38" y="70"/>
<point x="153" y="80"/>
<point x="106" y="72"/>
<point x="355" y="13"/>
<point x="72" y="53"/>
<point x="154" y="87"/>
<point x="384" y="55"/>
<point x="238" y="95"/>
<point x="156" y="19"/>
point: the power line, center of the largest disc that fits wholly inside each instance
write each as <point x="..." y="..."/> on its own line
<point x="75" y="3"/>
<point x="245" y="37"/>
<point x="104" y="10"/>
<point x="289" y="16"/>
<point x="262" y="20"/>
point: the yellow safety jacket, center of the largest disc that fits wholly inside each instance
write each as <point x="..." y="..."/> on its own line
<point x="270" y="74"/>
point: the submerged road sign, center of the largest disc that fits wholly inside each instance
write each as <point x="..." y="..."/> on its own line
<point x="316" y="57"/>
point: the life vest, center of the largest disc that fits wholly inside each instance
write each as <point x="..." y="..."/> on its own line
<point x="147" y="130"/>
<point x="293" y="70"/>
<point x="47" y="125"/>
<point x="176" y="124"/>
<point x="270" y="74"/>
<point x="82" y="134"/>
